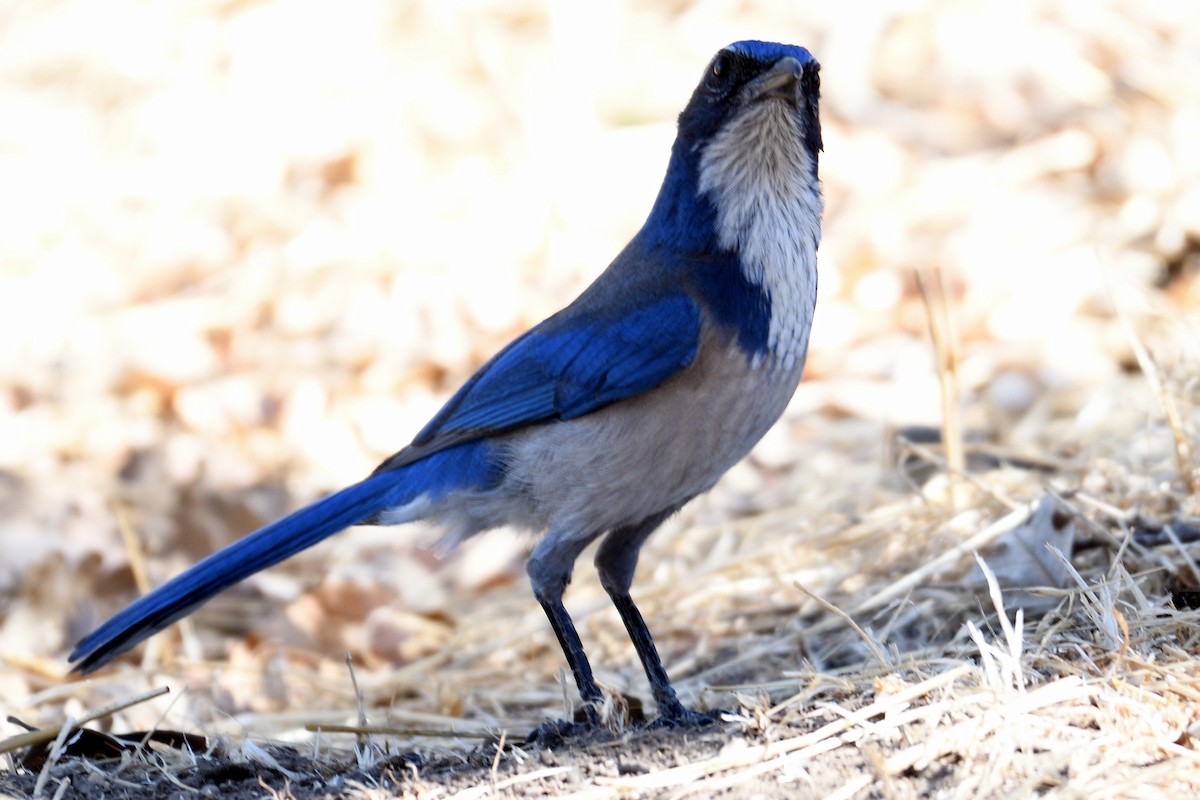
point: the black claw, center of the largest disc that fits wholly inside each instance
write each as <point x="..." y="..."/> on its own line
<point x="683" y="718"/>
<point x="556" y="732"/>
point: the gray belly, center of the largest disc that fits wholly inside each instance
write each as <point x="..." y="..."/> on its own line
<point x="645" y="454"/>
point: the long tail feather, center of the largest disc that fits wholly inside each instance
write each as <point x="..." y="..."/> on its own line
<point x="181" y="595"/>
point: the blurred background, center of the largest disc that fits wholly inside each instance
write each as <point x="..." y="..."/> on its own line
<point x="248" y="247"/>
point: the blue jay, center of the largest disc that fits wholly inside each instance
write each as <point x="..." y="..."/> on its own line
<point x="606" y="418"/>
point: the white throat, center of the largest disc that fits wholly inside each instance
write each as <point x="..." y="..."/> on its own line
<point x="760" y="179"/>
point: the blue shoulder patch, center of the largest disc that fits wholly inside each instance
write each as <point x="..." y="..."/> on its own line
<point x="681" y="233"/>
<point x="568" y="366"/>
<point x="735" y="302"/>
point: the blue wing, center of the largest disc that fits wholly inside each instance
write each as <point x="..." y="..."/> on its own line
<point x="568" y="366"/>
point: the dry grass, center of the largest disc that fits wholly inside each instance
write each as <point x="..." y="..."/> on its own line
<point x="940" y="691"/>
<point x="235" y="276"/>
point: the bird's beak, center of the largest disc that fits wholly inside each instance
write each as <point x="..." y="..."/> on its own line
<point x="781" y="80"/>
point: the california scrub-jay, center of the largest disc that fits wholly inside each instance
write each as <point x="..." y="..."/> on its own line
<point x="603" y="420"/>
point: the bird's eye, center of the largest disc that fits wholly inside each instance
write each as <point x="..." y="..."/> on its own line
<point x="718" y="67"/>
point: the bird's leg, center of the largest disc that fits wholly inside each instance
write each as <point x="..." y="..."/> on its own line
<point x="572" y="647"/>
<point x="669" y="707"/>
<point x="549" y="569"/>
<point x="616" y="561"/>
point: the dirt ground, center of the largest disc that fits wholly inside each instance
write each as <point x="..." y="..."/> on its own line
<point x="615" y="762"/>
<point x="249" y="247"/>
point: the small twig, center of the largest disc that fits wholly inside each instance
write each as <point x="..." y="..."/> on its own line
<point x="63" y="786"/>
<point x="945" y="347"/>
<point x="60" y="743"/>
<point x="496" y="762"/>
<point x="515" y="780"/>
<point x="1124" y="626"/>
<point x="362" y="742"/>
<point x="42" y="735"/>
<point x="133" y="548"/>
<point x="145" y="740"/>
<point x="358" y="693"/>
<point x="390" y="730"/>
<point x="876" y="651"/>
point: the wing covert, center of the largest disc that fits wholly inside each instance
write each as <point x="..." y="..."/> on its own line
<point x="569" y="366"/>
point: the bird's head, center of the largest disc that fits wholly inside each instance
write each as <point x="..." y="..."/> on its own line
<point x="751" y="131"/>
<point x="759" y="79"/>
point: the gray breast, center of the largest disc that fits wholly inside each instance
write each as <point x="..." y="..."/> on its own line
<point x="635" y="458"/>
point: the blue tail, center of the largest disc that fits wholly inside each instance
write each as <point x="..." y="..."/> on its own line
<point x="184" y="593"/>
<point x="434" y="476"/>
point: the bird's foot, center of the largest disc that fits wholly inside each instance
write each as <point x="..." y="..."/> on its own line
<point x="557" y="732"/>
<point x="683" y="718"/>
